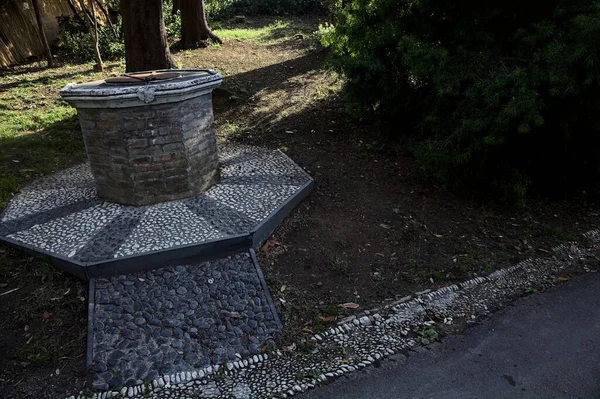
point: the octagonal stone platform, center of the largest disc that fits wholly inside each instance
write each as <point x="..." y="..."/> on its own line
<point x="62" y="218"/>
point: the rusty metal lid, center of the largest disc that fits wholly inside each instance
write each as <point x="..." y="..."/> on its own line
<point x="143" y="77"/>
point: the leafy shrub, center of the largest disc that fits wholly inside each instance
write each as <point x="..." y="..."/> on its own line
<point x="75" y="41"/>
<point x="220" y="9"/>
<point x="499" y="93"/>
<point x="172" y="21"/>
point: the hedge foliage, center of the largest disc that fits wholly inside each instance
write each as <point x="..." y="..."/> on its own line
<point x="75" y="41"/>
<point x="501" y="93"/>
<point x="221" y="9"/>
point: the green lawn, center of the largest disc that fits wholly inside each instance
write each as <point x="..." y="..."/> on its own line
<point x="39" y="133"/>
<point x="268" y="34"/>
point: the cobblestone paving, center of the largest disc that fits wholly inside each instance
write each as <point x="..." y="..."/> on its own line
<point x="179" y="318"/>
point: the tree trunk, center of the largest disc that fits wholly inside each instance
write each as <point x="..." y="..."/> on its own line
<point x="194" y="28"/>
<point x="75" y="12"/>
<point x="95" y="41"/>
<point x="44" y="39"/>
<point x="107" y="16"/>
<point x="92" y="25"/>
<point x="146" y="46"/>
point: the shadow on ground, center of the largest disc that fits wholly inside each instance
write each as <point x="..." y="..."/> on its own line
<point x="373" y="230"/>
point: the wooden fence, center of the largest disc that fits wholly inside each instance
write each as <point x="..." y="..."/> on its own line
<point x="19" y="36"/>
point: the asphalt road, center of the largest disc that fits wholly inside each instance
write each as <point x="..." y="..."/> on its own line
<point x="544" y="346"/>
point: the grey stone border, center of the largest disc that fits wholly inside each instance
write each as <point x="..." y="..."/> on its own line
<point x="262" y="232"/>
<point x="191" y="253"/>
<point x="89" y="358"/>
<point x="265" y="287"/>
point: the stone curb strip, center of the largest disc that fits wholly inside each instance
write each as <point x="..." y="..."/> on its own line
<point x="360" y="341"/>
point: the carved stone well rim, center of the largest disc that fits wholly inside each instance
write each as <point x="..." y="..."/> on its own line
<point x="99" y="94"/>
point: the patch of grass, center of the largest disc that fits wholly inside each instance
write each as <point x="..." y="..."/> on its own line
<point x="39" y="133"/>
<point x="318" y="326"/>
<point x="230" y="131"/>
<point x="332" y="311"/>
<point x="428" y="336"/>
<point x="306" y="347"/>
<point x="412" y="274"/>
<point x="555" y="232"/>
<point x="269" y="34"/>
<point x="308" y="375"/>
<point x="338" y="263"/>
<point x="256" y="35"/>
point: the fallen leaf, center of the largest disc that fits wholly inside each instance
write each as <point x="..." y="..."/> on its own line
<point x="385" y="226"/>
<point x="573" y="248"/>
<point x="563" y="279"/>
<point x="290" y="348"/>
<point x="46" y="315"/>
<point x="307" y="330"/>
<point x="25" y="364"/>
<point x="283" y="287"/>
<point x="235" y="315"/>
<point x="269" y="245"/>
<point x="349" y="305"/>
<point x="438" y="235"/>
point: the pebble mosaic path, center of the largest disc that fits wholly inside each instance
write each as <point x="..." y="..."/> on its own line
<point x="61" y="215"/>
<point x="146" y="317"/>
<point x="179" y="319"/>
<point x="391" y="331"/>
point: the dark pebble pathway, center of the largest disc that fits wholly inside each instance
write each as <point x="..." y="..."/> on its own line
<point x="179" y="319"/>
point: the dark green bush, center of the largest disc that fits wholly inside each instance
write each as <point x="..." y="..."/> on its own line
<point x="220" y="9"/>
<point x="76" y="44"/>
<point x="172" y="21"/>
<point x="501" y="93"/>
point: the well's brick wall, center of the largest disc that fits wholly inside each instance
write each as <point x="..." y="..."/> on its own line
<point x="155" y="153"/>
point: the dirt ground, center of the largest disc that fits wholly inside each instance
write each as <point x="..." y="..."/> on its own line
<point x="372" y="230"/>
